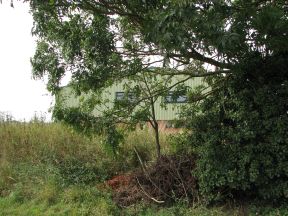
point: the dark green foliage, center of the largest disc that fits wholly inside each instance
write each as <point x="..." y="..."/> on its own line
<point x="241" y="132"/>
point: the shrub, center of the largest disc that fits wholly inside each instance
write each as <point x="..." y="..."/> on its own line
<point x="240" y="133"/>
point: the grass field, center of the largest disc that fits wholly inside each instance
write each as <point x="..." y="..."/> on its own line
<point x="48" y="169"/>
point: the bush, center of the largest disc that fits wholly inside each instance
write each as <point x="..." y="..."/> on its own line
<point x="240" y="133"/>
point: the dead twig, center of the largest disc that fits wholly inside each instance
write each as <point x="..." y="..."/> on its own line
<point x="152" y="198"/>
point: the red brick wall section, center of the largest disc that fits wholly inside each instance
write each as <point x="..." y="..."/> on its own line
<point x="164" y="127"/>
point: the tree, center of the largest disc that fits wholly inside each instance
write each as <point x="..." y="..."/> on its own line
<point x="142" y="92"/>
<point x="96" y="62"/>
<point x="135" y="106"/>
<point x="240" y="47"/>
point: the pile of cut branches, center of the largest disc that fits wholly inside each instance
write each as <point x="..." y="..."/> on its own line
<point x="169" y="179"/>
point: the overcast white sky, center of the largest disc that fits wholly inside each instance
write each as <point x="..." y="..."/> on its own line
<point x="19" y="94"/>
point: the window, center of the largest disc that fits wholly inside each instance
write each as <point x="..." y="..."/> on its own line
<point x="120" y="96"/>
<point x="171" y="97"/>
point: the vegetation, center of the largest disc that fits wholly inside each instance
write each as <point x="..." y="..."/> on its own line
<point x="237" y="126"/>
<point x="240" y="134"/>
<point x="241" y="116"/>
<point x="47" y="169"/>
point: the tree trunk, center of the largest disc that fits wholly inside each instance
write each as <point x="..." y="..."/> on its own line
<point x="153" y="121"/>
<point x="156" y="131"/>
<point x="155" y="126"/>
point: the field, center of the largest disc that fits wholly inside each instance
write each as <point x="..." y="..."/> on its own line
<point x="48" y="169"/>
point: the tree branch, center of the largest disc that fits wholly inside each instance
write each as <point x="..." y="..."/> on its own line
<point x="197" y="56"/>
<point x="189" y="73"/>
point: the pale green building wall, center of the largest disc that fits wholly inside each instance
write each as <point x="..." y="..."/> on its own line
<point x="67" y="96"/>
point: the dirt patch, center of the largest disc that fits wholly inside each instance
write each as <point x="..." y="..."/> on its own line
<point x="119" y="181"/>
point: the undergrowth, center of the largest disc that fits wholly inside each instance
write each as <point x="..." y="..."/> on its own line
<point x="48" y="169"/>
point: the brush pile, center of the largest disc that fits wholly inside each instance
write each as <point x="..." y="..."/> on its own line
<point x="167" y="180"/>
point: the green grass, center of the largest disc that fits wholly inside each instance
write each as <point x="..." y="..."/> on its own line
<point x="52" y="200"/>
<point x="48" y="169"/>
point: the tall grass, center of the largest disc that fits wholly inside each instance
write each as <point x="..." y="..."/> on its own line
<point x="48" y="169"/>
<point x="49" y="166"/>
<point x="76" y="158"/>
<point x="32" y="141"/>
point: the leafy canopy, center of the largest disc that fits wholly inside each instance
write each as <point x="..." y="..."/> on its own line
<point x="99" y="42"/>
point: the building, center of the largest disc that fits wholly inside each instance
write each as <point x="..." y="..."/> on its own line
<point x="165" y="116"/>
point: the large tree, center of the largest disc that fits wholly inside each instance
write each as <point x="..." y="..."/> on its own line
<point x="101" y="42"/>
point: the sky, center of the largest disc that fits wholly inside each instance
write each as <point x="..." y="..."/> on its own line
<point x="20" y="95"/>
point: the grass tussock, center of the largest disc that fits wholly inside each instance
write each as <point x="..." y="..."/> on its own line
<point x="48" y="169"/>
